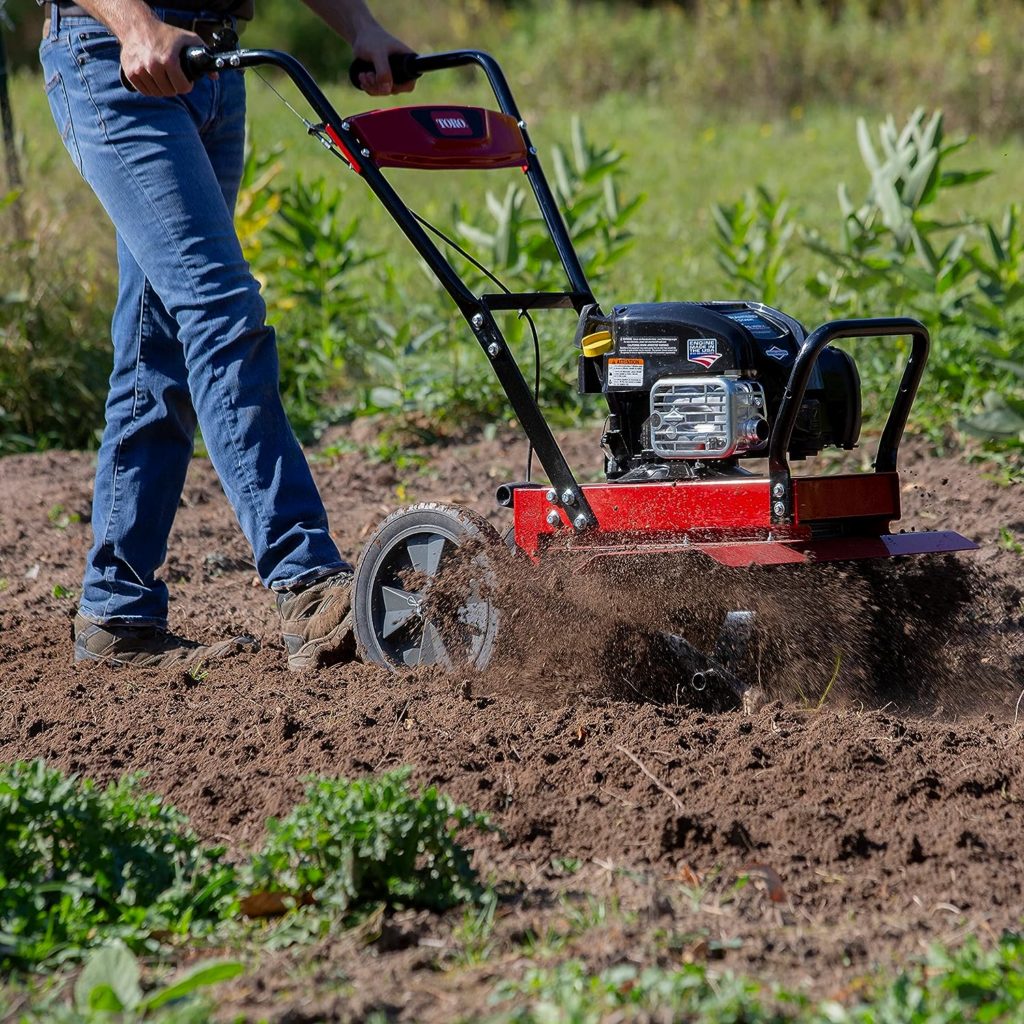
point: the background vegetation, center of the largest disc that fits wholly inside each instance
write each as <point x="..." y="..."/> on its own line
<point x="690" y="105"/>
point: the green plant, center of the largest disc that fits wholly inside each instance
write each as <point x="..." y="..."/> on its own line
<point x="896" y="256"/>
<point x="109" y="989"/>
<point x="352" y="845"/>
<point x="60" y="518"/>
<point x="948" y="986"/>
<point x="80" y="865"/>
<point x="753" y="235"/>
<point x="304" y="251"/>
<point x="54" y="344"/>
<point x="569" y="993"/>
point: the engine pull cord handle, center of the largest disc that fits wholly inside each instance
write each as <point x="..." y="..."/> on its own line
<point x="403" y="68"/>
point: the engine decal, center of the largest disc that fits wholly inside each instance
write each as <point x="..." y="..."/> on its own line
<point x="703" y="351"/>
<point x="776" y="353"/>
<point x="648" y="345"/>
<point x="625" y="373"/>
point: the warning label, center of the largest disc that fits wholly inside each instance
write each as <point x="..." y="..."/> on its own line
<point x="647" y="345"/>
<point x="625" y="373"/>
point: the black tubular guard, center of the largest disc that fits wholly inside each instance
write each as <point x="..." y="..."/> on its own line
<point x="779" y="471"/>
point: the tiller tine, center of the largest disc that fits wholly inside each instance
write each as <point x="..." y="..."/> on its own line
<point x="716" y="675"/>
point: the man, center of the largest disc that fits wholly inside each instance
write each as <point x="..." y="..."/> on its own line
<point x="190" y="340"/>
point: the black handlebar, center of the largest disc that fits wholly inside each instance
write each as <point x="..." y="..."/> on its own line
<point x="403" y="68"/>
<point x="197" y="61"/>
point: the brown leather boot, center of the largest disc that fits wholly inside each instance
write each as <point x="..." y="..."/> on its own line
<point x="149" y="646"/>
<point x="317" y="623"/>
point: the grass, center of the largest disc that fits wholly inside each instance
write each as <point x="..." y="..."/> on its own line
<point x="971" y="983"/>
<point x="683" y="160"/>
<point x="384" y="339"/>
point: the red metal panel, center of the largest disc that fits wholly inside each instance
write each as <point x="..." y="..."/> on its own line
<point x="343" y="149"/>
<point x="448" y="138"/>
<point x="729" y="521"/>
<point x="652" y="510"/>
<point x="852" y="496"/>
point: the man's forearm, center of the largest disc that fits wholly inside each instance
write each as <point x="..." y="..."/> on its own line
<point x="347" y="17"/>
<point x="352" y="20"/>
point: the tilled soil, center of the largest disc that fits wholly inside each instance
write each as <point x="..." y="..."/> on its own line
<point x="871" y="822"/>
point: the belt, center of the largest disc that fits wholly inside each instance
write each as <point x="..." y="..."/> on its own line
<point x="203" y="26"/>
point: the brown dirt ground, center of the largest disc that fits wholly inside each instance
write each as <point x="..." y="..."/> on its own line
<point x="885" y="820"/>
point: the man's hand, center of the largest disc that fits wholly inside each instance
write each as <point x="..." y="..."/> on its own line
<point x="151" y="57"/>
<point x="375" y="44"/>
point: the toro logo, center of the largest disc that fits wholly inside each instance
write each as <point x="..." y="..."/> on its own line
<point x="451" y="122"/>
<point x="703" y="351"/>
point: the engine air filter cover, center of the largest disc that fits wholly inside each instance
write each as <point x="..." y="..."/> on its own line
<point x="712" y="417"/>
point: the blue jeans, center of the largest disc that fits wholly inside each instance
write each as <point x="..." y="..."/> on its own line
<point x="189" y="334"/>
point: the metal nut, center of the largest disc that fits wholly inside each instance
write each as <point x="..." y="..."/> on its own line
<point x="581" y="522"/>
<point x="554" y="519"/>
<point x="778" y="491"/>
<point x="493" y="350"/>
<point x="779" y="508"/>
<point x="477" y="320"/>
<point x="552" y="496"/>
<point x="568" y="498"/>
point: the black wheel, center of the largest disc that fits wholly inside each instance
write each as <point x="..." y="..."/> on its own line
<point x="425" y="586"/>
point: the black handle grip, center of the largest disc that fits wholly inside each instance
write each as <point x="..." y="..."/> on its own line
<point x="197" y="61"/>
<point x="403" y="68"/>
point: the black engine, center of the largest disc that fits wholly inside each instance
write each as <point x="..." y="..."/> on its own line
<point x="693" y="387"/>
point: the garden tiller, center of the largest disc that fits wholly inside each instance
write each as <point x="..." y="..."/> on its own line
<point x="693" y="390"/>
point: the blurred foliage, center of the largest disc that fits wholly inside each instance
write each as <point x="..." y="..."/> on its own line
<point x="963" y="278"/>
<point x="764" y="56"/>
<point x="947" y="987"/>
<point x="80" y="866"/>
<point x="54" y="342"/>
<point x="109" y="990"/>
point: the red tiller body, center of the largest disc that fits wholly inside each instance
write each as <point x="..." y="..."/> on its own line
<point x="835" y="518"/>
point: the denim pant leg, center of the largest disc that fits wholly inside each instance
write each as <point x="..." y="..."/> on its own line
<point x="146" y="160"/>
<point x="149" y="421"/>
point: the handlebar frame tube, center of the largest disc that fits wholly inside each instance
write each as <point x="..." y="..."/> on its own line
<point x="475" y="309"/>
<point x="779" y="472"/>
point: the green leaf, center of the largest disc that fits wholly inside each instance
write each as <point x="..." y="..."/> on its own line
<point x="109" y="981"/>
<point x="197" y="977"/>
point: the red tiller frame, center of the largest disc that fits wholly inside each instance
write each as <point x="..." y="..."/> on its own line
<point x="835" y="518"/>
